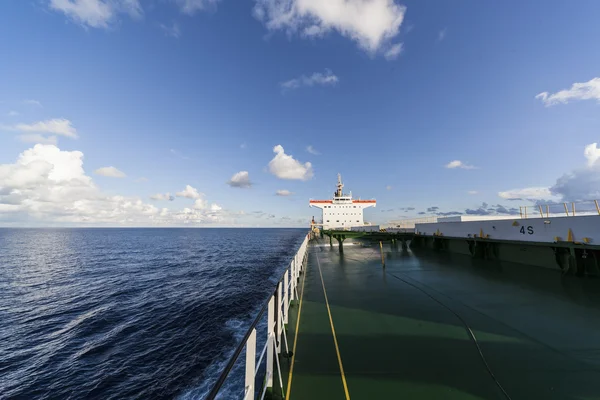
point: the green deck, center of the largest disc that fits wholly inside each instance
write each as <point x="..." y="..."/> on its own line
<point x="395" y="341"/>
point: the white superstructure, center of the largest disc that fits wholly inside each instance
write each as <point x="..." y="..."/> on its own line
<point x="341" y="212"/>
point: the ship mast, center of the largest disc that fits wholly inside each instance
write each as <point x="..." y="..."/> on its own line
<point x="340" y="185"/>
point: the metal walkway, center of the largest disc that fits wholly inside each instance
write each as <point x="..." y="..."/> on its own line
<point x="365" y="332"/>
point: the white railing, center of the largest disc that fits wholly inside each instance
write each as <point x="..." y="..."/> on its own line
<point x="277" y="307"/>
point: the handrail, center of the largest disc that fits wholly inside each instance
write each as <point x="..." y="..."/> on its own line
<point x="225" y="373"/>
<point x="293" y="272"/>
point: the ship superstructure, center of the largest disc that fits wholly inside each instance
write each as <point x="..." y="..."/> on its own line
<point x="342" y="212"/>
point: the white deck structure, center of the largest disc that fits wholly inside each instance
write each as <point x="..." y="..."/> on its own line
<point x="342" y="212"/>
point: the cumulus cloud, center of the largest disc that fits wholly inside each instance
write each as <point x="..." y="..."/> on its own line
<point x="96" y="13"/>
<point x="110" y="172"/>
<point x="48" y="186"/>
<point x="163" y="196"/>
<point x="283" y="192"/>
<point x="372" y="24"/>
<point x="582" y="183"/>
<point x="191" y="7"/>
<point x="317" y="78"/>
<point x="312" y="150"/>
<point x="459" y="164"/>
<point x="284" y="166"/>
<point x="189" y="193"/>
<point x="589" y="90"/>
<point x="526" y="193"/>
<point x="240" y="180"/>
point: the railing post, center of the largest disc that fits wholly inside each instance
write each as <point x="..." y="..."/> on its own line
<point x="270" y="338"/>
<point x="293" y="278"/>
<point x="250" y="365"/>
<point x="286" y="294"/>
<point x="278" y="326"/>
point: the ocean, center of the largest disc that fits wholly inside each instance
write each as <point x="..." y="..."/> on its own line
<point x="129" y="313"/>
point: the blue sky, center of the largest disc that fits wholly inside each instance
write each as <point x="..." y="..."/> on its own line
<point x="191" y="92"/>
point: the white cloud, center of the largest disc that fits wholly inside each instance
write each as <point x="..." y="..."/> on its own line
<point x="526" y="193"/>
<point x="190" y="7"/>
<point x="283" y="193"/>
<point x="32" y="102"/>
<point x="163" y="196"/>
<point x="96" y="13"/>
<point x="394" y="51"/>
<point x="12" y="113"/>
<point x="370" y="23"/>
<point x="110" y="172"/>
<point x="441" y="35"/>
<point x="459" y="164"/>
<point x="47" y="186"/>
<point x="313" y="151"/>
<point x="582" y="183"/>
<point x="284" y="166"/>
<point x="240" y="180"/>
<point x="579" y="91"/>
<point x="142" y="179"/>
<point x="172" y="30"/>
<point x="317" y="78"/>
<point x="200" y="204"/>
<point x="37" y="138"/>
<point x="388" y="187"/>
<point x="472" y="192"/>
<point x="57" y="126"/>
<point x="591" y="153"/>
<point x="190" y="193"/>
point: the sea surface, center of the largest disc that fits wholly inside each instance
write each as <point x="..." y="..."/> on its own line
<point x="129" y="313"/>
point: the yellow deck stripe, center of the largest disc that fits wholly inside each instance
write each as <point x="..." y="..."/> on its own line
<point x="337" y="349"/>
<point x="289" y="382"/>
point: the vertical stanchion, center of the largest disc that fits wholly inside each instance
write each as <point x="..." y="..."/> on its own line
<point x="286" y="298"/>
<point x="250" y="365"/>
<point x="278" y="319"/>
<point x="382" y="257"/>
<point x="293" y="283"/>
<point x="270" y="338"/>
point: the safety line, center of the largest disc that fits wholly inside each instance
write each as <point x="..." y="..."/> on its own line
<point x="289" y="382"/>
<point x="337" y="349"/>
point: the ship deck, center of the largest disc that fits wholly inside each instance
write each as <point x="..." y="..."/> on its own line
<point x="364" y="332"/>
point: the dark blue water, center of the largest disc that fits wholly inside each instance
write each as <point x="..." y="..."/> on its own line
<point x="129" y="313"/>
